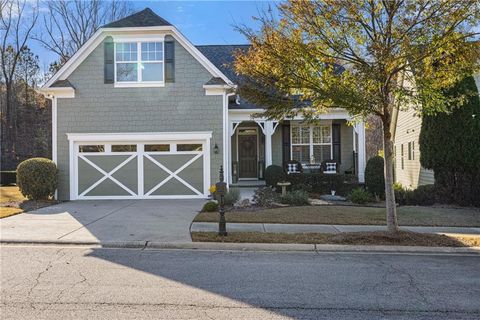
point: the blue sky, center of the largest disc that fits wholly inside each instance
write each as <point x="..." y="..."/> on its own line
<point x="202" y="22"/>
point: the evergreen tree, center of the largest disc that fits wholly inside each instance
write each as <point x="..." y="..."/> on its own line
<point x="450" y="145"/>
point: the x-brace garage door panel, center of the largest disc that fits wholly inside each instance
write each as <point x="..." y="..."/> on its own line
<point x="173" y="174"/>
<point x="129" y="170"/>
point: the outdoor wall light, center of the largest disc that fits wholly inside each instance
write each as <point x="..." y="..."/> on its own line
<point x="215" y="149"/>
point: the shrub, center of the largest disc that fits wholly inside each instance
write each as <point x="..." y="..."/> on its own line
<point x="307" y="187"/>
<point x="375" y="176"/>
<point x="232" y="196"/>
<point x="360" y="196"/>
<point x="400" y="193"/>
<point x="343" y="184"/>
<point x="265" y="197"/>
<point x="296" y="198"/>
<point x="423" y="196"/>
<point x="210" y="206"/>
<point x="273" y="175"/>
<point x="37" y="178"/>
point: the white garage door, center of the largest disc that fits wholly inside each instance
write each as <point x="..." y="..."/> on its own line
<point x="139" y="165"/>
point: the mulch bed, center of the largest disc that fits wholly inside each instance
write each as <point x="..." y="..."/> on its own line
<point x="401" y="238"/>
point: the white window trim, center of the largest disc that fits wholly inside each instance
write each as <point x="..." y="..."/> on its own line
<point x="311" y="144"/>
<point x="139" y="83"/>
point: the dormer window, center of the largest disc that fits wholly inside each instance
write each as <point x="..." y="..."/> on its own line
<point x="139" y="63"/>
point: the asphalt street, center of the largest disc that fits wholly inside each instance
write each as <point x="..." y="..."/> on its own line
<point x="41" y="282"/>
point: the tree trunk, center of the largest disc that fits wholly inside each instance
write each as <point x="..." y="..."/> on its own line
<point x="392" y="223"/>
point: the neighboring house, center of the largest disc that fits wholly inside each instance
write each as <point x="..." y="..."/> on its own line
<point x="408" y="170"/>
<point x="139" y="112"/>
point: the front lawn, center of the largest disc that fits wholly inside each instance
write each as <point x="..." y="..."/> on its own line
<point x="13" y="202"/>
<point x="331" y="214"/>
<point x="402" y="238"/>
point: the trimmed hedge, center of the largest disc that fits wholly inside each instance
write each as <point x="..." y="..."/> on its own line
<point x="273" y="175"/>
<point x="375" y="176"/>
<point x="321" y="183"/>
<point x="37" y="178"/>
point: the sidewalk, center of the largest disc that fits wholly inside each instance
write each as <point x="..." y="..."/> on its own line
<point x="324" y="228"/>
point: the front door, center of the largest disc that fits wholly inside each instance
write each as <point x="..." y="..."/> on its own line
<point x="247" y="156"/>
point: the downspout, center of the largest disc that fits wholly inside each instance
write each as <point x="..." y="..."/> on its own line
<point x="226" y="138"/>
<point x="54" y="131"/>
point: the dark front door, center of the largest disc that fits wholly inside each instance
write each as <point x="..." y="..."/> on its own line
<point x="247" y="156"/>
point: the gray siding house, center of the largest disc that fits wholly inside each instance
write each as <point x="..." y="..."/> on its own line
<point x="139" y="112"/>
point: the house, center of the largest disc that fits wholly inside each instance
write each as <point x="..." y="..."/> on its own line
<point x="139" y="112"/>
<point x="408" y="170"/>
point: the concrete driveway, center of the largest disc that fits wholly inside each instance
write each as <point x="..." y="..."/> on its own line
<point x="104" y="221"/>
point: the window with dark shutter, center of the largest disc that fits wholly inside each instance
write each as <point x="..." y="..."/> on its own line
<point x="109" y="62"/>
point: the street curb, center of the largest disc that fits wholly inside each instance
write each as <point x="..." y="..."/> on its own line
<point x="223" y="246"/>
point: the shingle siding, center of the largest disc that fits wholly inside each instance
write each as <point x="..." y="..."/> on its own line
<point x="101" y="108"/>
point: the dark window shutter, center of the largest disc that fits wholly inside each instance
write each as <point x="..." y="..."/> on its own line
<point x="169" y="61"/>
<point x="108" y="64"/>
<point x="285" y="143"/>
<point x="336" y="132"/>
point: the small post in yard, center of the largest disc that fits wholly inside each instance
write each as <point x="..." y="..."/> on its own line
<point x="221" y="191"/>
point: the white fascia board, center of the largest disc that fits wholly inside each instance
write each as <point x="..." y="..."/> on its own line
<point x="102" y="33"/>
<point x="58" y="92"/>
<point x="140" y="136"/>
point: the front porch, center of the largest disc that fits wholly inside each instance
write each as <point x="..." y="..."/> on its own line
<point x="257" y="143"/>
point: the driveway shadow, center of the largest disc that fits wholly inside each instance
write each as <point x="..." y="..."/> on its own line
<point x="312" y="285"/>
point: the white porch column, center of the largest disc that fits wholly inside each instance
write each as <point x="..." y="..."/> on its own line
<point x="268" y="131"/>
<point x="361" y="152"/>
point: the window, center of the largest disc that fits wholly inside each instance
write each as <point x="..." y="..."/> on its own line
<point x="157" y="147"/>
<point x="189" y="147"/>
<point x="409" y="151"/>
<point x="311" y="143"/>
<point x="413" y="150"/>
<point x="401" y="155"/>
<point x="124" y="148"/>
<point x="91" y="148"/>
<point x="139" y="62"/>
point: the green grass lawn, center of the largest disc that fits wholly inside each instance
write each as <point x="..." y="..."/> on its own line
<point x="407" y="216"/>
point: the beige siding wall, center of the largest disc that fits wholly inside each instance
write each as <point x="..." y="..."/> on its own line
<point x="408" y="130"/>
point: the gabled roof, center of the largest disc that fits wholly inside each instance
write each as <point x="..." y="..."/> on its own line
<point x="223" y="56"/>
<point x="215" y="81"/>
<point x="144" y="18"/>
<point x="62" y="84"/>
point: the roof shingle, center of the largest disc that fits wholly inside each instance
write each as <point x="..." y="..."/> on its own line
<point x="223" y="56"/>
<point x="144" y="18"/>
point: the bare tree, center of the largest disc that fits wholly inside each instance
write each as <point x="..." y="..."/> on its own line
<point x="17" y="20"/>
<point x="69" y="24"/>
